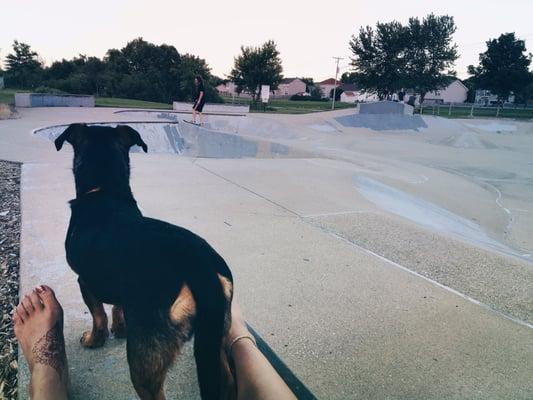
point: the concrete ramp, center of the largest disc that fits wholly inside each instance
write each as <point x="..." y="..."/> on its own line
<point x="386" y="107"/>
<point x="190" y="140"/>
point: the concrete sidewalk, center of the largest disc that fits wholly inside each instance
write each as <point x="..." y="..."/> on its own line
<point x="348" y="324"/>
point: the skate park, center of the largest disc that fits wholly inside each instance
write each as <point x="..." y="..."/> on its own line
<point x="378" y="257"/>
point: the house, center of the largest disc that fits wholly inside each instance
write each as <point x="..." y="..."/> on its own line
<point x="326" y="87"/>
<point x="348" y="96"/>
<point x="486" y="98"/>
<point x="230" y="89"/>
<point x="353" y="94"/>
<point x="289" y="87"/>
<point x="455" y="92"/>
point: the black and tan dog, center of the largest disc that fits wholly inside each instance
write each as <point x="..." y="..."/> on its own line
<point x="165" y="283"/>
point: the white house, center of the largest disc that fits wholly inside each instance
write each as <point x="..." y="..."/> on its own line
<point x="485" y="97"/>
<point x="455" y="92"/>
<point x="289" y="87"/>
<point x="348" y="97"/>
<point x="352" y="94"/>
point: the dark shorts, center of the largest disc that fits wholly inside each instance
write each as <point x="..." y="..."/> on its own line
<point x="199" y="106"/>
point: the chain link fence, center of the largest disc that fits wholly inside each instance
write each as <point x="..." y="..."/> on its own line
<point x="470" y="110"/>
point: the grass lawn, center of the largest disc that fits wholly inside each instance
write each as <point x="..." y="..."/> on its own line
<point x="479" y="112"/>
<point x="7" y="96"/>
<point x="130" y="103"/>
<point x="285" y="106"/>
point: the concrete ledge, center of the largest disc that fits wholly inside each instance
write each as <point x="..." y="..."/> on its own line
<point x="213" y="108"/>
<point x="386" y="107"/>
<point x="53" y="100"/>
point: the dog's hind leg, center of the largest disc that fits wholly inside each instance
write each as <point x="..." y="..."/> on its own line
<point x="99" y="333"/>
<point x="148" y="366"/>
<point x="118" y="326"/>
<point x="150" y="354"/>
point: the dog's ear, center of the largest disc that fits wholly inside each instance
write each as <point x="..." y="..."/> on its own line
<point x="130" y="136"/>
<point x="73" y="135"/>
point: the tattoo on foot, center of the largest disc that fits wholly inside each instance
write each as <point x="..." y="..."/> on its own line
<point x="50" y="350"/>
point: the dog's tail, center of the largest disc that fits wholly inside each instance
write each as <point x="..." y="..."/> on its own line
<point x="212" y="320"/>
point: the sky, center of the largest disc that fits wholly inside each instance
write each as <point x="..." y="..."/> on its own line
<point x="309" y="33"/>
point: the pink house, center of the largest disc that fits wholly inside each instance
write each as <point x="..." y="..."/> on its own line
<point x="289" y="87"/>
<point x="326" y="86"/>
<point x="230" y="89"/>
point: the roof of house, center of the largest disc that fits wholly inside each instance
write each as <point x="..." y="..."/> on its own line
<point x="349" y="87"/>
<point x="462" y="84"/>
<point x="288" y="80"/>
<point x="330" y="81"/>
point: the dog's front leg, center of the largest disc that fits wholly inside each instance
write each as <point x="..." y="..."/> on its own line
<point x="98" y="335"/>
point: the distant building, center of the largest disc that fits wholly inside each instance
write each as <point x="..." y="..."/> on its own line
<point x="455" y="92"/>
<point x="289" y="87"/>
<point x="486" y="98"/>
<point x="230" y="89"/>
<point x="348" y="97"/>
<point x="353" y="94"/>
<point x="326" y="86"/>
<point x="286" y="88"/>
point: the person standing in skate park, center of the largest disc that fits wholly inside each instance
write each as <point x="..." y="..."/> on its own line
<point x="199" y="101"/>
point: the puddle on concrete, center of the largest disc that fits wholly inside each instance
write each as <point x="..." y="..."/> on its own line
<point x="428" y="214"/>
<point x="191" y="141"/>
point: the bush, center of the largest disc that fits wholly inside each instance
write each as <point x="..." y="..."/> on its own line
<point x="48" y="90"/>
<point x="299" y="97"/>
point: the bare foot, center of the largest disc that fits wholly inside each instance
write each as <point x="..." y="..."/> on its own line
<point x="38" y="325"/>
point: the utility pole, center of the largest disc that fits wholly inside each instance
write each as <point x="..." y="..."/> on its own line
<point x="335" y="87"/>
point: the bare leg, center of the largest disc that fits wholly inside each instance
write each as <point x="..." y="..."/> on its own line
<point x="256" y="378"/>
<point x="99" y="333"/>
<point x="193" y="116"/>
<point x="38" y="323"/>
<point x="201" y="118"/>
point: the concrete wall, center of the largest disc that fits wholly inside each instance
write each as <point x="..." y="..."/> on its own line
<point x="53" y="100"/>
<point x="213" y="108"/>
<point x="386" y="107"/>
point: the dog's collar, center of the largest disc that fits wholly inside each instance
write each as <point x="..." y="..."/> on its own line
<point x="96" y="189"/>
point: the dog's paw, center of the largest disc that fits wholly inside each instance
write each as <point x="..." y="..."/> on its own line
<point x="93" y="340"/>
<point x="119" y="331"/>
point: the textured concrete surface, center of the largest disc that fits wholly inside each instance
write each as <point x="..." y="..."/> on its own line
<point x="323" y="274"/>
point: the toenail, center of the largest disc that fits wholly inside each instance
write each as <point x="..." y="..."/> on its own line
<point x="39" y="289"/>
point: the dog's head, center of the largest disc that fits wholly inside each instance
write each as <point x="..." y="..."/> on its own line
<point x="101" y="154"/>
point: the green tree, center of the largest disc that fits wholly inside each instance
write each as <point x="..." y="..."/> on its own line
<point x="349" y="77"/>
<point x="504" y="67"/>
<point x="22" y="66"/>
<point x="257" y="66"/>
<point x="430" y="53"/>
<point x="379" y="58"/>
<point x="190" y="67"/>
